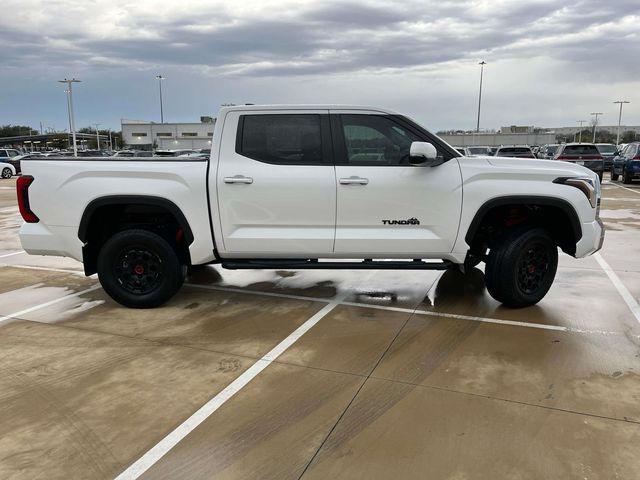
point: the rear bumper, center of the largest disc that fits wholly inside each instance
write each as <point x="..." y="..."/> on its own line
<point x="40" y="239"/>
<point x="592" y="238"/>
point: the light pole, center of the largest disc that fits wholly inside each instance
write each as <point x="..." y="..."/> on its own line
<point x="97" y="136"/>
<point x="580" y="134"/>
<point x="621" y="102"/>
<point x="595" y="125"/>
<point x="72" y="122"/>
<point x="482" y="64"/>
<point x="160" y="78"/>
<point x="69" y="115"/>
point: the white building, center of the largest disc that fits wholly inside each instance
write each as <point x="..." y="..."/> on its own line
<point x="144" y="135"/>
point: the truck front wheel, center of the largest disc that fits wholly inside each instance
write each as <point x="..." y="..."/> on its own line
<point x="139" y="269"/>
<point x="521" y="267"/>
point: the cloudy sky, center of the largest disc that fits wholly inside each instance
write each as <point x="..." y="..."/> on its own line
<point x="549" y="62"/>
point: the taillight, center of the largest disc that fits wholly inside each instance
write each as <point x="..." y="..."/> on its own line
<point x="563" y="157"/>
<point x="637" y="157"/>
<point x="22" y="188"/>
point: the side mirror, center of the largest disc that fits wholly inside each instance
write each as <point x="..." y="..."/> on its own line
<point x="423" y="154"/>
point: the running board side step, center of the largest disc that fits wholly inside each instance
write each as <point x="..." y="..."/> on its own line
<point x="296" y="264"/>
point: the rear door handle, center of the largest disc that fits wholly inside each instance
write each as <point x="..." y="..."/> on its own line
<point x="354" y="181"/>
<point x="238" y="179"/>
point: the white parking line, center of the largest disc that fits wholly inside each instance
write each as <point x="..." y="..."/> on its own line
<point x="434" y="313"/>
<point x="389" y="308"/>
<point x="6" y="318"/>
<point x="622" y="290"/>
<point x="626" y="188"/>
<point x="172" y="439"/>
<point x="12" y="254"/>
<point x="46" y="269"/>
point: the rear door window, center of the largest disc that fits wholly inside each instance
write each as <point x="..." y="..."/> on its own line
<point x="283" y="139"/>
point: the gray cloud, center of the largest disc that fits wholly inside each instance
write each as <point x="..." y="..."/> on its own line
<point x="550" y="61"/>
<point x="342" y="37"/>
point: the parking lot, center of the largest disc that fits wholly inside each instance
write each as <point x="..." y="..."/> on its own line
<point x="323" y="374"/>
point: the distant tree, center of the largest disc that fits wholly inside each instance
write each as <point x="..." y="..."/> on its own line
<point x="628" y="137"/>
<point x="116" y="137"/>
<point x="16" y="130"/>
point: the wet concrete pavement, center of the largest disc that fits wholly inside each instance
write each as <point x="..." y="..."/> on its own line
<point x="404" y="375"/>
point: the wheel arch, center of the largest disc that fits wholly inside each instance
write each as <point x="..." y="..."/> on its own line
<point x="560" y="204"/>
<point x="117" y="205"/>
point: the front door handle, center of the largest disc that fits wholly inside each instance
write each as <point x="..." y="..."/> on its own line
<point x="238" y="179"/>
<point x="354" y="181"/>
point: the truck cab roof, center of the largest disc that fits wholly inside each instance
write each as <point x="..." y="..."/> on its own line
<point x="329" y="106"/>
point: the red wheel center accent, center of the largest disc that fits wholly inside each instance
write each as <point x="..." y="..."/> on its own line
<point x="532" y="268"/>
<point x="138" y="269"/>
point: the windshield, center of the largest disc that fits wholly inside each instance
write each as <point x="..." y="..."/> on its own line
<point x="478" y="150"/>
<point x="514" y="150"/>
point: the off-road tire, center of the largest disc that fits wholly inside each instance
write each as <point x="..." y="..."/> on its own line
<point x="139" y="269"/>
<point x="521" y="267"/>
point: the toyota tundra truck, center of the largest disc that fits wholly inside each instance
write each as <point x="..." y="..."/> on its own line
<point x="311" y="187"/>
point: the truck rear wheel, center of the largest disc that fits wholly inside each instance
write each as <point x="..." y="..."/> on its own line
<point x="521" y="268"/>
<point x="139" y="269"/>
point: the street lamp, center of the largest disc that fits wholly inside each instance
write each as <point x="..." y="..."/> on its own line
<point x="595" y="125"/>
<point x="482" y="64"/>
<point x="72" y="122"/>
<point x="160" y="78"/>
<point x="580" y="134"/>
<point x="97" y="136"/>
<point x="621" y="102"/>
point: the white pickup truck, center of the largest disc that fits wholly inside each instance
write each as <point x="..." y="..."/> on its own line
<point x="311" y="187"/>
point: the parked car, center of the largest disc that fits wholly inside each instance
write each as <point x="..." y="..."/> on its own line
<point x="476" y="151"/>
<point x="132" y="153"/>
<point x="295" y="187"/>
<point x="8" y="153"/>
<point x="194" y="155"/>
<point x="173" y="153"/>
<point x="7" y="170"/>
<point x="93" y="153"/>
<point x="547" y="151"/>
<point x="517" y="152"/>
<point x="627" y="163"/>
<point x="15" y="161"/>
<point x="608" y="151"/>
<point x="584" y="154"/>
